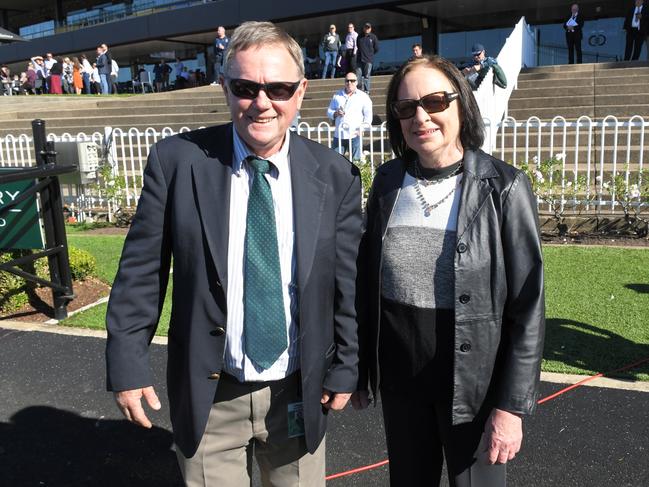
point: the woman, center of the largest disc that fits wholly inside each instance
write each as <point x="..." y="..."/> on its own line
<point x="56" y="72"/>
<point x="453" y="329"/>
<point x="77" y="79"/>
<point x="67" y="80"/>
<point x="32" y="76"/>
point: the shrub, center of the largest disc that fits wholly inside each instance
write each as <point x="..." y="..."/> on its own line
<point x="14" y="290"/>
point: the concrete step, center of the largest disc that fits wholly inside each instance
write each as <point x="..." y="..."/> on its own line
<point x="580" y="100"/>
<point x="591" y="89"/>
<point x="574" y="112"/>
<point x="557" y="141"/>
<point x="555" y="83"/>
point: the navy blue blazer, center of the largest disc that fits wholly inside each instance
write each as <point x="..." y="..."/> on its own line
<point x="184" y="212"/>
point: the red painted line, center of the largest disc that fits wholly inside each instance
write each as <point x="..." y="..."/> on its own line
<point x="357" y="470"/>
<point x="541" y="401"/>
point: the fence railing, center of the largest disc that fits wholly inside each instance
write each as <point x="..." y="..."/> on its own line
<point x="589" y="150"/>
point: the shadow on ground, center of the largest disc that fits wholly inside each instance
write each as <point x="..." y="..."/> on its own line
<point x="589" y="347"/>
<point x="639" y="288"/>
<point x="48" y="447"/>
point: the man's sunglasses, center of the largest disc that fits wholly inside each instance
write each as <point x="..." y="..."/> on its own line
<point x="351" y="80"/>
<point x="431" y="103"/>
<point x="277" y="91"/>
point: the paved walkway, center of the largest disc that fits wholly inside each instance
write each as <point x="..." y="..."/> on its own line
<point x="58" y="427"/>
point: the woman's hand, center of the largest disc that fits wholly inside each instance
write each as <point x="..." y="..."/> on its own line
<point x="504" y="435"/>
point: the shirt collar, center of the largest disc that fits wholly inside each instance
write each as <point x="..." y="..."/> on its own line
<point x="242" y="151"/>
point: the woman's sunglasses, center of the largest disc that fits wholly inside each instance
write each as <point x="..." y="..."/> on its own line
<point x="431" y="103"/>
<point x="277" y="91"/>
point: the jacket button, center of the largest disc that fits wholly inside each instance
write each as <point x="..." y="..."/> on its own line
<point x="214" y="376"/>
<point x="462" y="248"/>
<point x="465" y="347"/>
<point x="218" y="331"/>
<point x="465" y="298"/>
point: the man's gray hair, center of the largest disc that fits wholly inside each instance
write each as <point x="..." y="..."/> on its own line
<point x="254" y="34"/>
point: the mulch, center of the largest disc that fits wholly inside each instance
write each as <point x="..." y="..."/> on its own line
<point x="40" y="308"/>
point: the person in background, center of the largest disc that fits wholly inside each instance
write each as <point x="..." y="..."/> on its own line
<point x="574" y="27"/>
<point x="48" y="62"/>
<point x="105" y="68"/>
<point x="221" y="43"/>
<point x="178" y="70"/>
<point x="478" y="69"/>
<point x="23" y="85"/>
<point x="41" y="74"/>
<point x="95" y="80"/>
<point x="67" y="83"/>
<point x="114" y="74"/>
<point x="452" y="278"/>
<point x="637" y="28"/>
<point x="77" y="77"/>
<point x="56" y="73"/>
<point x="417" y="52"/>
<point x="368" y="46"/>
<point x="330" y="47"/>
<point x="157" y="76"/>
<point x="86" y="73"/>
<point x="351" y="49"/>
<point x="30" y="86"/>
<point x="349" y="109"/>
<point x="5" y="80"/>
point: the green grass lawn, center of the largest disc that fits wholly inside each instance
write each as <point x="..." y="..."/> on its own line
<point x="597" y="305"/>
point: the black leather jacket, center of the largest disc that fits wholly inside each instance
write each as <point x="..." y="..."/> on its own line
<point x="499" y="311"/>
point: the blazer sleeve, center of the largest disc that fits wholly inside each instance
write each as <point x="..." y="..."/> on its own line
<point x="342" y="376"/>
<point x="524" y="314"/>
<point x="138" y="292"/>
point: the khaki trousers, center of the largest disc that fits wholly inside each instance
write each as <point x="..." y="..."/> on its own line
<point x="249" y="419"/>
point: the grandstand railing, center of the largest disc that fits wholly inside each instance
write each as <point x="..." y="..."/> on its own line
<point x="594" y="151"/>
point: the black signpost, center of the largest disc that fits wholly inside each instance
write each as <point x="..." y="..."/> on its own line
<point x="21" y="224"/>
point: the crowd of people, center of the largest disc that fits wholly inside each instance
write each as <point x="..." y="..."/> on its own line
<point x="57" y="76"/>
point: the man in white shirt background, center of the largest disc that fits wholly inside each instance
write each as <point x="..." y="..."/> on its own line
<point x="349" y="108"/>
<point x="574" y="32"/>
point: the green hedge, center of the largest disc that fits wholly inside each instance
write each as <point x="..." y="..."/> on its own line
<point x="14" y="290"/>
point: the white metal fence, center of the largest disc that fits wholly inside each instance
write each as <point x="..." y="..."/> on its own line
<point x="594" y="151"/>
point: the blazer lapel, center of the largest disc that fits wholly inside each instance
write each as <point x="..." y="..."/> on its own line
<point x="211" y="179"/>
<point x="308" y="202"/>
<point x="475" y="190"/>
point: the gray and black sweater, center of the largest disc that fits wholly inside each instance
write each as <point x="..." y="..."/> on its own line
<point x="417" y="286"/>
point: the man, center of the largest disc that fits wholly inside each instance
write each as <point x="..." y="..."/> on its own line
<point x="636" y="28"/>
<point x="416" y="52"/>
<point x="105" y="68"/>
<point x="349" y="108"/>
<point x="221" y="44"/>
<point x="351" y="49"/>
<point x="114" y="75"/>
<point x="264" y="228"/>
<point x="478" y="69"/>
<point x="48" y="62"/>
<point x="368" y="46"/>
<point x="574" y="27"/>
<point x="330" y="47"/>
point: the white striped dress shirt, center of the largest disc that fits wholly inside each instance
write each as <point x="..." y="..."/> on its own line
<point x="236" y="362"/>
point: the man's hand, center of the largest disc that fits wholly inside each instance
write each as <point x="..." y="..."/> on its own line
<point x="130" y="405"/>
<point x="360" y="399"/>
<point x="504" y="435"/>
<point x="334" y="400"/>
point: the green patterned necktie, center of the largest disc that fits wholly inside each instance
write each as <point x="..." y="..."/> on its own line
<point x="264" y="320"/>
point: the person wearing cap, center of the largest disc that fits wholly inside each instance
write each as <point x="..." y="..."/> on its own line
<point x="330" y="47"/>
<point x="476" y="71"/>
<point x="368" y="45"/>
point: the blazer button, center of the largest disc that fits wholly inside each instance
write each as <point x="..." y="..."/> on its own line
<point x="214" y="376"/>
<point x="218" y="331"/>
<point x="462" y="248"/>
<point x="465" y="298"/>
<point x="465" y="347"/>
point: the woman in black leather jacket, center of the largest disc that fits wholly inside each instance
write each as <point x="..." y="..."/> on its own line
<point x="453" y="320"/>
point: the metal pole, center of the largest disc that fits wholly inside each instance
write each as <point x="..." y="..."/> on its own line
<point x="53" y="224"/>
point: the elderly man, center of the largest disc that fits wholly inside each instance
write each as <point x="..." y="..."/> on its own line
<point x="221" y="43"/>
<point x="637" y="28"/>
<point x="264" y="228"/>
<point x="349" y="108"/>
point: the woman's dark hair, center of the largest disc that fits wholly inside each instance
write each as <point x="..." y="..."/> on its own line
<point x="471" y="124"/>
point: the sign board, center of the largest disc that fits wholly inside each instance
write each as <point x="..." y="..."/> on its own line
<point x="20" y="227"/>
